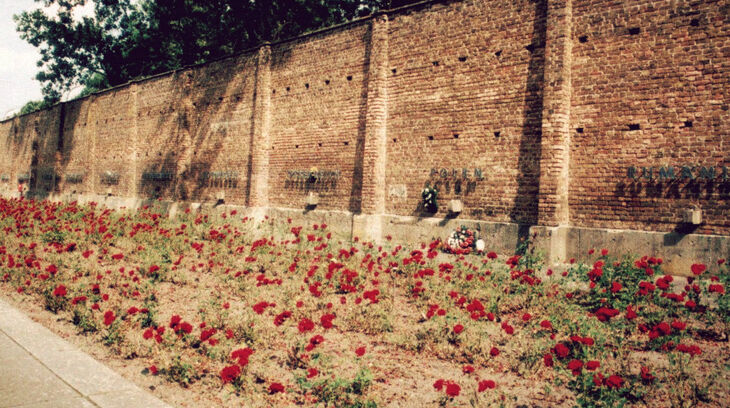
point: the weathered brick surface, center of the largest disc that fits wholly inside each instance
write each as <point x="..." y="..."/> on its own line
<point x="318" y="86"/>
<point x="465" y="92"/>
<point x="674" y="69"/>
<point x="194" y="132"/>
<point x="552" y="100"/>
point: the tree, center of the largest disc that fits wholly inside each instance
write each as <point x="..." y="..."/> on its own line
<point x="74" y="51"/>
<point x="127" y="39"/>
<point x="33" y="106"/>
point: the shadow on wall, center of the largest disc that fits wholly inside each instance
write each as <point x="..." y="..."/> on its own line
<point x="357" y="175"/>
<point x="528" y="163"/>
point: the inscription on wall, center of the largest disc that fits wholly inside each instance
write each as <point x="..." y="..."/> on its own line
<point x="684" y="181"/>
<point x="220" y="179"/>
<point x="686" y="172"/>
<point x="456" y="181"/>
<point x="312" y="180"/>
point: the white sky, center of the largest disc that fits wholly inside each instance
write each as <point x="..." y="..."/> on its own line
<point x="18" y="59"/>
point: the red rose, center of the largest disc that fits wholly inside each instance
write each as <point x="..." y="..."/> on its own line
<point x="458" y="328"/>
<point x="109" y="317"/>
<point x="326" y="320"/>
<point x="697" y="269"/>
<point x="360" y="351"/>
<point x="494" y="352"/>
<point x="486" y="384"/>
<point x="275" y="387"/>
<point x="60" y="291"/>
<point x="452" y="389"/>
<point x="305" y="325"/>
<point x="615" y="381"/>
<point x="230" y="373"/>
<point x="592" y="365"/>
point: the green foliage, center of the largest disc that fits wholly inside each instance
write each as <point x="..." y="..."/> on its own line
<point x="340" y="392"/>
<point x="53" y="236"/>
<point x="33" y="106"/>
<point x="84" y="320"/>
<point x="180" y="372"/>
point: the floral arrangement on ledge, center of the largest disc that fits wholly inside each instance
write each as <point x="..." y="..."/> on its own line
<point x="429" y="196"/>
<point x="463" y="241"/>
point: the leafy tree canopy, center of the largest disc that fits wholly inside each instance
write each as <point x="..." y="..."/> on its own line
<point x="127" y="39"/>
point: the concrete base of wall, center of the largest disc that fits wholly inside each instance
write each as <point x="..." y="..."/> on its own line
<point x="678" y="249"/>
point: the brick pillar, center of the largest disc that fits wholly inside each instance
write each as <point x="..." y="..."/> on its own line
<point x="555" y="154"/>
<point x="258" y="194"/>
<point x="374" y="157"/>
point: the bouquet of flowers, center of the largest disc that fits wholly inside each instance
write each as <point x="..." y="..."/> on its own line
<point x="429" y="195"/>
<point x="462" y="241"/>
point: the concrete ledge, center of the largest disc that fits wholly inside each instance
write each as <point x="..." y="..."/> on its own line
<point x="40" y="369"/>
<point x="678" y="250"/>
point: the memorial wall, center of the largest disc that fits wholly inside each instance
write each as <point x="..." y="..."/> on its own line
<point x="578" y="114"/>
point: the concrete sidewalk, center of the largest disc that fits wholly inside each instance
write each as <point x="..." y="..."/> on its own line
<point x="39" y="369"/>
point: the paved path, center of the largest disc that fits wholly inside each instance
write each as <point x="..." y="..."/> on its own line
<point x="39" y="369"/>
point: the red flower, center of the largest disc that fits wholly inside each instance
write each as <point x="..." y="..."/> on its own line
<point x="174" y="321"/>
<point x="117" y="257"/>
<point x="615" y="287"/>
<point x="148" y="334"/>
<point x="360" y="351"/>
<point x="598" y="379"/>
<point x="679" y="326"/>
<point x="561" y="350"/>
<point x="312" y="372"/>
<point x="305" y="325"/>
<point x="275" y="387"/>
<point x="153" y="369"/>
<point x="109" y="317"/>
<point x="260" y="307"/>
<point x="486" y="384"/>
<point x="576" y="366"/>
<point x="698" y="269"/>
<point x="452" y="389"/>
<point x="592" y="365"/>
<point x="438" y="384"/>
<point x="615" y="381"/>
<point x="242" y="356"/>
<point x="230" y="373"/>
<point x="494" y="352"/>
<point x="467" y="369"/>
<point x="548" y="360"/>
<point x="545" y="324"/>
<point x="526" y="317"/>
<point x="492" y="255"/>
<point x="646" y="374"/>
<point x="326" y="320"/>
<point x="458" y="328"/>
<point x="630" y="313"/>
<point x="60" y="291"/>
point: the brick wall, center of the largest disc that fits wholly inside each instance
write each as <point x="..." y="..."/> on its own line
<point x="318" y="91"/>
<point x="651" y="87"/>
<point x="464" y="92"/>
<point x="529" y="111"/>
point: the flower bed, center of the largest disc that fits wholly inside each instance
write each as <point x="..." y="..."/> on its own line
<point x="235" y="316"/>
